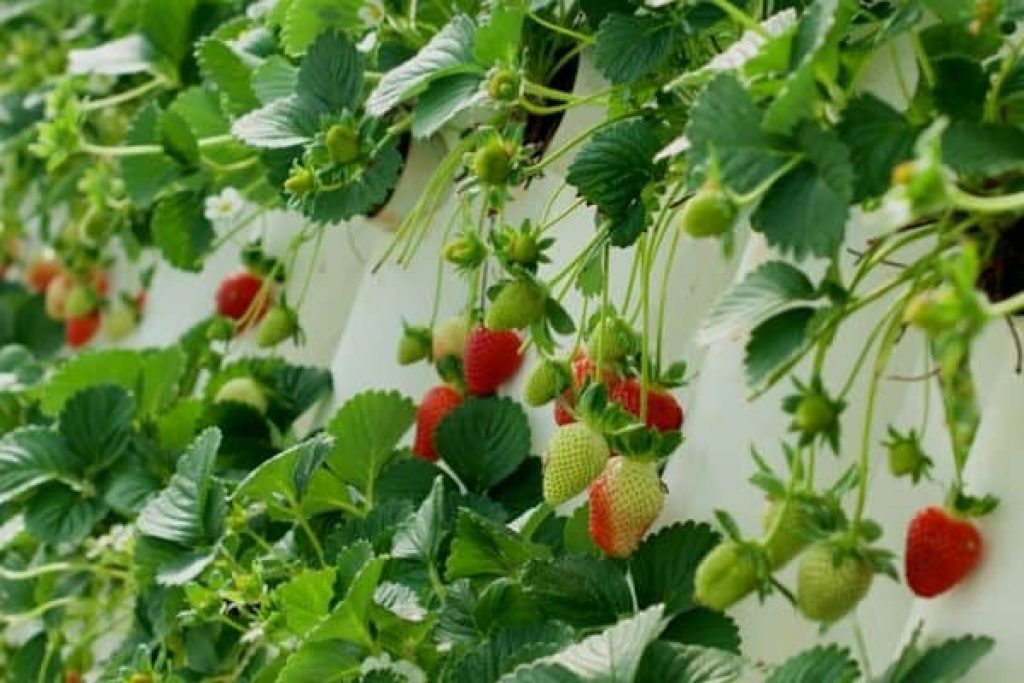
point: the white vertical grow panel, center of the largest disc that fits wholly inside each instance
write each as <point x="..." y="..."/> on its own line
<point x="986" y="603"/>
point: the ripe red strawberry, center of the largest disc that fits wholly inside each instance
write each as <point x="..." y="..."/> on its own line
<point x="436" y="403"/>
<point x="492" y="358"/>
<point x="941" y="550"/>
<point x="624" y="501"/>
<point x="80" y="331"/>
<point x="574" y="456"/>
<point x="237" y="294"/>
<point x="663" y="410"/>
<point x="562" y="406"/>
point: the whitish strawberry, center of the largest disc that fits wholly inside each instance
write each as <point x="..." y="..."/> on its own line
<point x="547" y="380"/>
<point x="449" y="338"/>
<point x="436" y="404"/>
<point x="624" y="501"/>
<point x="941" y="551"/>
<point x="784" y="538"/>
<point x="519" y="304"/>
<point x="575" y="455"/>
<point x="119" y="322"/>
<point x="57" y="296"/>
<point x="725" y="576"/>
<point x="491" y="359"/>
<point x="245" y="391"/>
<point x="831" y="582"/>
<point x="663" y="410"/>
<point x="81" y="301"/>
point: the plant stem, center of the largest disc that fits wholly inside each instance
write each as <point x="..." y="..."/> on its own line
<point x="576" y="36"/>
<point x="156" y="82"/>
<point x="537" y="517"/>
<point x="741" y="17"/>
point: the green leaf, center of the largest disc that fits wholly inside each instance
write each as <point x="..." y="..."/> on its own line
<point x="131" y="54"/>
<point x="367" y="430"/>
<point x="190" y="511"/>
<point x="444" y="98"/>
<point x="616" y="164"/>
<point x="482" y="548"/>
<point x="945" y="662"/>
<point x="582" y="591"/>
<point x="576" y="535"/>
<point x="769" y="289"/>
<point x="30" y="457"/>
<point x="725" y="126"/>
<point x="705" y="628"/>
<point x="129" y="487"/>
<point x="499" y="39"/>
<point x="357" y="196"/>
<point x="689" y="664"/>
<point x="58" y="514"/>
<point x="449" y="51"/>
<point x="664" y="565"/>
<point x="167" y="24"/>
<point x="329" y="662"/>
<point x="178" y="140"/>
<point x="960" y="88"/>
<point x="348" y="621"/>
<point x="983" y="149"/>
<point x="97" y="424"/>
<point x="274" y="78"/>
<point x="509" y="648"/>
<point x="146" y="175"/>
<point x="230" y="72"/>
<point x="483" y="441"/>
<point x="630" y="47"/>
<point x="181" y="231"/>
<point x="407" y="479"/>
<point x="504" y="604"/>
<point x="420" y="536"/>
<point x="285" y="122"/>
<point x="805" y="211"/>
<point x="308" y="19"/>
<point x="282" y="481"/>
<point x="305" y="599"/>
<point x="331" y="75"/>
<point x="614" y="654"/>
<point x="775" y="341"/>
<point x="879" y="138"/>
<point x="823" y="663"/>
<point x="540" y="673"/>
<point x="170" y="564"/>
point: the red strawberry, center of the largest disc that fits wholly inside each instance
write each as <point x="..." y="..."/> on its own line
<point x="237" y="294"/>
<point x="624" y="501"/>
<point x="41" y="272"/>
<point x="492" y="358"/>
<point x="80" y="331"/>
<point x="584" y="368"/>
<point x="663" y="410"/>
<point x="436" y="403"/>
<point x="941" y="550"/>
<point x="562" y="406"/>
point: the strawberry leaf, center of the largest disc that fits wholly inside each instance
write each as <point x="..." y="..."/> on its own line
<point x="689" y="664"/>
<point x="507" y="649"/>
<point x="483" y="548"/>
<point x="230" y="72"/>
<point x="420" y="536"/>
<point x="368" y="429"/>
<point x="181" y="231"/>
<point x="630" y="47"/>
<point x="581" y="591"/>
<point x="775" y="341"/>
<point x="824" y="663"/>
<point x="308" y="19"/>
<point x="878" y="137"/>
<point x="483" y="441"/>
<point x="664" y="565"/>
<point x="31" y="457"/>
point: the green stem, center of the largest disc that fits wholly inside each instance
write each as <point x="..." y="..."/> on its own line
<point x="741" y="17"/>
<point x="307" y="529"/>
<point x="22" y="617"/>
<point x="645" y="343"/>
<point x="537" y="517"/>
<point x="317" y="247"/>
<point x="568" y="146"/>
<point x="576" y="36"/>
<point x="128" y="95"/>
<point x="1002" y="204"/>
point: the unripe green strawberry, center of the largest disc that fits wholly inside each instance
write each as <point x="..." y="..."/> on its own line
<point x="140" y="677"/>
<point x="467" y="251"/>
<point x="342" y="143"/>
<point x="725" y="576"/>
<point x="414" y="345"/>
<point x="934" y="310"/>
<point x="548" y="379"/>
<point x="449" y="338"/>
<point x="906" y="459"/>
<point x="279" y="324"/>
<point x="492" y="162"/>
<point x="815" y="414"/>
<point x="708" y="214"/>
<point x="624" y="502"/>
<point x="828" y="590"/>
<point x="519" y="304"/>
<point x="792" y="535"/>
<point x="574" y="457"/>
<point x="503" y="85"/>
<point x="523" y="249"/>
<point x="610" y="341"/>
<point x="243" y="390"/>
<point x="119" y="322"/>
<point x="300" y="182"/>
<point x="81" y="301"/>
